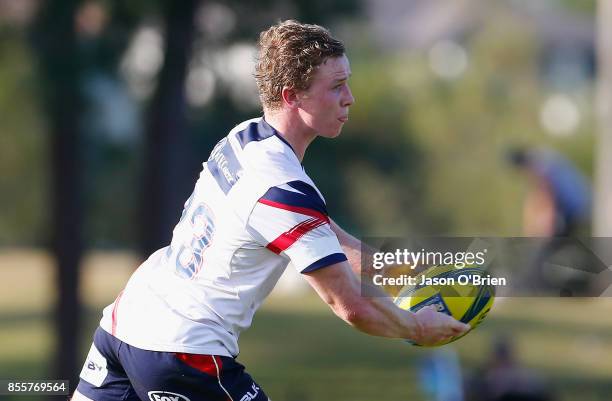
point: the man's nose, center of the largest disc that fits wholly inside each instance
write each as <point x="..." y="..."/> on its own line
<point x="349" y="99"/>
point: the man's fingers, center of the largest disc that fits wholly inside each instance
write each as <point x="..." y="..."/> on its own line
<point x="447" y="326"/>
<point x="424" y="309"/>
<point x="456" y="325"/>
<point x="460" y="328"/>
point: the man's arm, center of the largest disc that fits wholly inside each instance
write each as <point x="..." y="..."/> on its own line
<point x="360" y="257"/>
<point x="353" y="248"/>
<point x="339" y="287"/>
<point x="375" y="315"/>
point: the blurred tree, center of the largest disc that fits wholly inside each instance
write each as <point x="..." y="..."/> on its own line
<point x="166" y="178"/>
<point x="111" y="120"/>
<point x="65" y="38"/>
<point x="56" y="44"/>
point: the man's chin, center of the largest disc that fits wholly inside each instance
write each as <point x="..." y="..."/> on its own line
<point x="331" y="134"/>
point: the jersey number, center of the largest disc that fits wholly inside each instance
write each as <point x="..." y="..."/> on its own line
<point x="190" y="257"/>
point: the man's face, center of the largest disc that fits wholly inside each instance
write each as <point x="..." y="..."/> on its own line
<point x="325" y="104"/>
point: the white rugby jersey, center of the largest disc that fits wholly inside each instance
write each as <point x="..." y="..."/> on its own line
<point x="253" y="210"/>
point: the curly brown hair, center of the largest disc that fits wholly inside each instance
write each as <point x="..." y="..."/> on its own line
<point x="289" y="54"/>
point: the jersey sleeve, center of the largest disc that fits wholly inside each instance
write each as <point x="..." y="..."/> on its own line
<point x="291" y="220"/>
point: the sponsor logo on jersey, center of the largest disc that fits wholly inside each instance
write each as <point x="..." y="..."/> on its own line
<point x="94" y="366"/>
<point x="224" y="165"/>
<point x="94" y="371"/>
<point x="251" y="396"/>
<point x="166" y="396"/>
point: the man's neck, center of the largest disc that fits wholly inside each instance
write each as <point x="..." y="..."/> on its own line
<point x="292" y="129"/>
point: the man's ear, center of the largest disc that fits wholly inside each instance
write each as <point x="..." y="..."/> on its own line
<point x="290" y="97"/>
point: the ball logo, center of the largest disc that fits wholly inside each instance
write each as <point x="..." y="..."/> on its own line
<point x="166" y="396"/>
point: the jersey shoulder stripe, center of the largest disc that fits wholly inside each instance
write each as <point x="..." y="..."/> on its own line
<point x="298" y="197"/>
<point x="288" y="238"/>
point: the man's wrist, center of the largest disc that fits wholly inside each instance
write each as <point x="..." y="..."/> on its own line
<point x="415" y="328"/>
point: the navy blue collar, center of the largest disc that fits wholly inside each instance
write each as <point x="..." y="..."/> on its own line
<point x="267" y="127"/>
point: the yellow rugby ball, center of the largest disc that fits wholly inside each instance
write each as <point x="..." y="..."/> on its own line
<point x="463" y="293"/>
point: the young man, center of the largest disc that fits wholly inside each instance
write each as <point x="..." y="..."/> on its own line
<point x="173" y="332"/>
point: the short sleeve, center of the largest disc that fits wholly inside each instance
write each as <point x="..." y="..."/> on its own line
<point x="291" y="220"/>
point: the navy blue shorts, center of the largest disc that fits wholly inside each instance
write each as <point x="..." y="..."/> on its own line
<point x="117" y="371"/>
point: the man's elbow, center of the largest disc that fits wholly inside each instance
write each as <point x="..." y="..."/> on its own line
<point x="355" y="315"/>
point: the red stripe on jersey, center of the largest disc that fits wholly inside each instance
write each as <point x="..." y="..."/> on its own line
<point x="296" y="209"/>
<point x="114" y="315"/>
<point x="286" y="239"/>
<point x="203" y="363"/>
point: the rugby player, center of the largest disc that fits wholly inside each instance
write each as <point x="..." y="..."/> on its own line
<point x="172" y="334"/>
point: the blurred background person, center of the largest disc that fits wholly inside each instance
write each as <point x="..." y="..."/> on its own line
<point x="557" y="208"/>
<point x="503" y="378"/>
<point x="558" y="202"/>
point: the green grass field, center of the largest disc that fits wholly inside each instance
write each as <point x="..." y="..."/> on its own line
<point x="297" y="350"/>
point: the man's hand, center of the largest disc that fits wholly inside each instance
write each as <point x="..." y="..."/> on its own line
<point x="434" y="327"/>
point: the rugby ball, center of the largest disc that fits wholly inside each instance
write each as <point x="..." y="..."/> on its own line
<point x="463" y="293"/>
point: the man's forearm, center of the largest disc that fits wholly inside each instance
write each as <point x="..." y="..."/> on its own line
<point x="353" y="249"/>
<point x="380" y="317"/>
<point x="360" y="257"/>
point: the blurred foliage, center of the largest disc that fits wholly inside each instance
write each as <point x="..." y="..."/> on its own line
<point x="420" y="154"/>
<point x="372" y="175"/>
<point x="23" y="155"/>
<point x="454" y="132"/>
<point x="464" y="125"/>
<point x="584" y="6"/>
